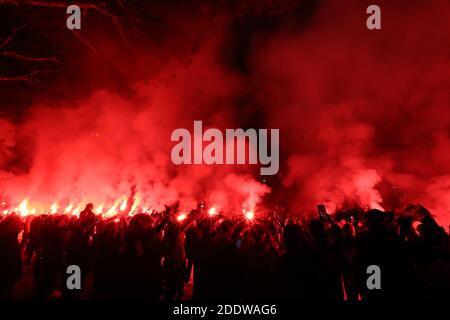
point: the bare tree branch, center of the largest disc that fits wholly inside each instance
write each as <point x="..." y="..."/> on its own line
<point x="91" y="47"/>
<point x="118" y="11"/>
<point x="7" y="40"/>
<point x="26" y="58"/>
<point x="31" y="78"/>
<point x="100" y="7"/>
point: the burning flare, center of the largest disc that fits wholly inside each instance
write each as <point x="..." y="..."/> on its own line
<point x="212" y="211"/>
<point x="99" y="209"/>
<point x="54" y="208"/>
<point x="123" y="206"/>
<point x="68" y="208"/>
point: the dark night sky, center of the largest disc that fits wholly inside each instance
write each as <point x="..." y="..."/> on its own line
<point x="164" y="29"/>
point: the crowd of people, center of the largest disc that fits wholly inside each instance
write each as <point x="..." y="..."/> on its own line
<point x="153" y="256"/>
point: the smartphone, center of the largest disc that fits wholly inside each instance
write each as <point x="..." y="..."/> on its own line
<point x="239" y="243"/>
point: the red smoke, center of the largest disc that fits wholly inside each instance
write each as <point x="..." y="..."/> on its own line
<point x="96" y="149"/>
<point x="356" y="109"/>
<point x="359" y="107"/>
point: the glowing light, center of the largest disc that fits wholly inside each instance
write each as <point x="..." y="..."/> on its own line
<point x="123" y="206"/>
<point x="69" y="208"/>
<point x="375" y="205"/>
<point x="3" y="203"/>
<point x="134" y="206"/>
<point x="116" y="220"/>
<point x="99" y="209"/>
<point x="181" y="217"/>
<point x="22" y="208"/>
<point x="212" y="211"/>
<point x="5" y="211"/>
<point x="113" y="209"/>
<point x="54" y="208"/>
<point x="76" y="211"/>
<point x="33" y="211"/>
<point x="249" y="215"/>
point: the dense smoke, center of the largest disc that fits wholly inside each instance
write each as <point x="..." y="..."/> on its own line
<point x="363" y="115"/>
<point x="98" y="148"/>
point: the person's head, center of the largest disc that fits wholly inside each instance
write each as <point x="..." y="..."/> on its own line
<point x="247" y="237"/>
<point x="292" y="237"/>
<point x="374" y="219"/>
<point x="172" y="233"/>
<point x="257" y="232"/>
<point x="140" y="223"/>
<point x="137" y="227"/>
<point x="226" y="227"/>
<point x="89" y="207"/>
<point x="318" y="232"/>
<point x="289" y="221"/>
<point x="11" y="224"/>
<point x="429" y="228"/>
<point x="316" y="228"/>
